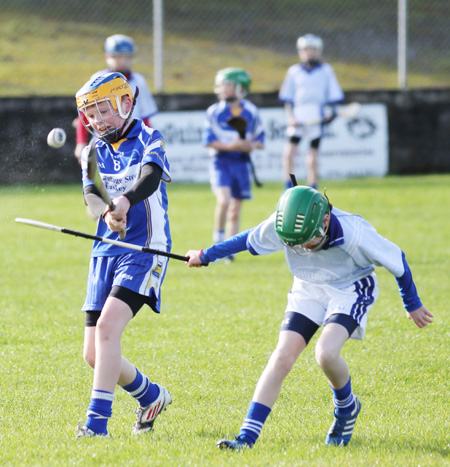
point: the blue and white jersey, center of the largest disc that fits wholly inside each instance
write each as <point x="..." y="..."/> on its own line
<point x="120" y="166"/>
<point x="309" y="90"/>
<point x="145" y="103"/>
<point x="216" y="126"/>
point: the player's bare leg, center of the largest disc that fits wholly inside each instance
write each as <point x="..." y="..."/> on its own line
<point x="109" y="369"/>
<point x="288" y="162"/>
<point x="290" y="346"/>
<point x="328" y="349"/>
<point x="223" y="199"/>
<point x="102" y="350"/>
<point x="347" y="405"/>
<point x="312" y="167"/>
<point x="233" y="217"/>
<point x="127" y="369"/>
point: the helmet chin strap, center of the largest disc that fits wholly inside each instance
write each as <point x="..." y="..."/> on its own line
<point x="116" y="134"/>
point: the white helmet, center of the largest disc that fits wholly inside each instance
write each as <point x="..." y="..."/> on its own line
<point x="309" y="40"/>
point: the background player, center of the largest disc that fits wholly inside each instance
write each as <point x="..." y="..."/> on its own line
<point x="332" y="255"/>
<point x="230" y="168"/>
<point x="132" y="162"/>
<point x="119" y="53"/>
<point x="307" y="88"/>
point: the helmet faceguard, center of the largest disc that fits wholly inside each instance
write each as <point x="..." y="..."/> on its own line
<point x="299" y="217"/>
<point x="110" y="88"/>
<point x="237" y="76"/>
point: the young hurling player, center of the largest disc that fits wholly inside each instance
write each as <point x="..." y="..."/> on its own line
<point x="230" y="168"/>
<point x="132" y="163"/>
<point x="307" y="88"/>
<point x="119" y="54"/>
<point x="332" y="255"/>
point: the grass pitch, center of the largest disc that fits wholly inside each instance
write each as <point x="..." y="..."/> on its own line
<point x="218" y="327"/>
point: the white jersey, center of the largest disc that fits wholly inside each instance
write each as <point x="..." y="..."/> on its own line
<point x="309" y="90"/>
<point x="145" y="103"/>
<point x="340" y="266"/>
<point x="351" y="253"/>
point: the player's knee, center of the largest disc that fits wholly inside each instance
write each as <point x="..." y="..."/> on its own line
<point x="89" y="357"/>
<point x="105" y="330"/>
<point x="233" y="214"/>
<point x="223" y="203"/>
<point x="284" y="359"/>
<point x="325" y="355"/>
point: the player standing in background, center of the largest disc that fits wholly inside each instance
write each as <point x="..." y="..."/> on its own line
<point x="230" y="165"/>
<point x="133" y="165"/>
<point x="119" y="53"/>
<point x="332" y="255"/>
<point x="307" y="88"/>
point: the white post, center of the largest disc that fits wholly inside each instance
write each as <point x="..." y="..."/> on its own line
<point x="402" y="53"/>
<point x="158" y="45"/>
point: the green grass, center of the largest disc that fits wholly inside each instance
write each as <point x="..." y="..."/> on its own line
<point x="218" y="327"/>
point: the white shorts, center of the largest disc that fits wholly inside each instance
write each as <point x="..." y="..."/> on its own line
<point x="305" y="132"/>
<point x="320" y="302"/>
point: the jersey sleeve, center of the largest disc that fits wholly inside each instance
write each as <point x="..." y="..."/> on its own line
<point x="257" y="129"/>
<point x="407" y="288"/>
<point x="145" y="103"/>
<point x="84" y="168"/>
<point x="335" y="93"/>
<point x="231" y="246"/>
<point x="287" y="91"/>
<point x="208" y="135"/>
<point x="82" y="133"/>
<point x="263" y="239"/>
<point x="155" y="151"/>
<point x="382" y="252"/>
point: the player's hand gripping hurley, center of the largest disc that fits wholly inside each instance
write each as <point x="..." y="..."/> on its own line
<point x="94" y="175"/>
<point x="240" y="125"/>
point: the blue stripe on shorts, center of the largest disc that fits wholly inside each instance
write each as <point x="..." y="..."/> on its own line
<point x="364" y="289"/>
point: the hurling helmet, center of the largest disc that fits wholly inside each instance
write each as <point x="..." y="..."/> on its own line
<point x="119" y="44"/>
<point x="108" y="87"/>
<point x="299" y="216"/>
<point x="238" y="76"/>
<point x="309" y="40"/>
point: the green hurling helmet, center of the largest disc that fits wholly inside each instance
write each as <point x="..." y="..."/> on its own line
<point x="300" y="214"/>
<point x="238" y="76"/>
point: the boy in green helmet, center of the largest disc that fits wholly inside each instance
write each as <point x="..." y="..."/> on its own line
<point x="230" y="166"/>
<point x="332" y="255"/>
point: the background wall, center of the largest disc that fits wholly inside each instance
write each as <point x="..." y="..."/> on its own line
<point x="419" y="136"/>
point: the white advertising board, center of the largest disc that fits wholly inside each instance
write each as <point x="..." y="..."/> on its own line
<point x="349" y="148"/>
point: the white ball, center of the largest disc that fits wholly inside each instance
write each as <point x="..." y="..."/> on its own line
<point x="56" y="138"/>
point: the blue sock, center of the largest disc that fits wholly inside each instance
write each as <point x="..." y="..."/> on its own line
<point x="344" y="399"/>
<point x="254" y="421"/>
<point x="99" y="411"/>
<point x="314" y="185"/>
<point x="288" y="184"/>
<point x="142" y="390"/>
